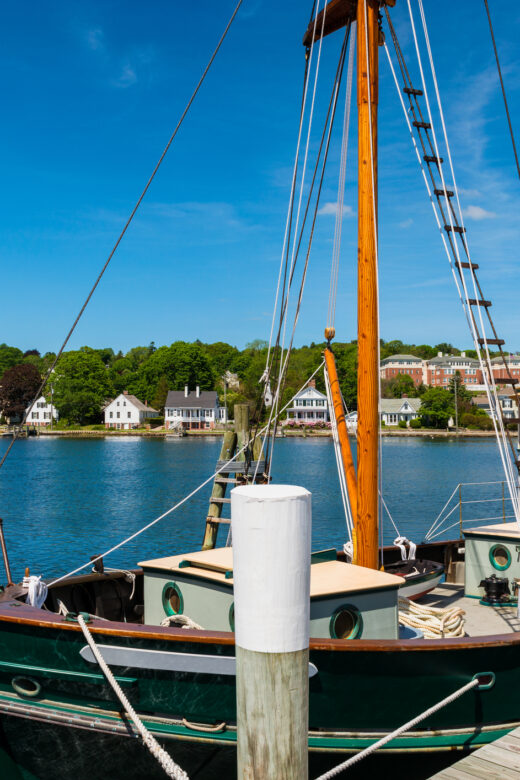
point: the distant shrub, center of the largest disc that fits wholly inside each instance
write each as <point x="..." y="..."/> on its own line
<point x="415" y="423"/>
<point x="402" y="424"/>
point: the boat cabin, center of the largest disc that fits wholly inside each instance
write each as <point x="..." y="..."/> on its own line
<point x="347" y="601"/>
<point x="491" y="550"/>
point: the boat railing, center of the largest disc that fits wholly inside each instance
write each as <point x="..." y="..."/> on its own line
<point x="470" y="505"/>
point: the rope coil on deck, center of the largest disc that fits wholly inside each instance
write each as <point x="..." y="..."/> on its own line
<point x="434" y="622"/>
<point x="164" y="758"/>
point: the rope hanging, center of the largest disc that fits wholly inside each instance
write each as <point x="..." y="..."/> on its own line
<point x="165" y="760"/>
<point x="503" y="88"/>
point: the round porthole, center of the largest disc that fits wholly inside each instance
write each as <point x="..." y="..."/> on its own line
<point x="173" y="603"/>
<point x="500" y="557"/>
<point x="346" y="623"/>
<point x="232" y="616"/>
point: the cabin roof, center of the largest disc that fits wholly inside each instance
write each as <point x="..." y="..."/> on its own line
<point x="177" y="399"/>
<point x="396" y="404"/>
<point x="498" y="530"/>
<point x="327" y="577"/>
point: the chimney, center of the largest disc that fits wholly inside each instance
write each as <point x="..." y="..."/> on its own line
<point x="125" y="392"/>
<point x="146" y="402"/>
<point x="186" y="391"/>
<point x="197" y="391"/>
<point x="312" y="383"/>
<point x="404" y="395"/>
<point x="439" y="354"/>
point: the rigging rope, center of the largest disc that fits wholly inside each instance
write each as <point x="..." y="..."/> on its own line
<point x="489" y="380"/>
<point x="177" y="505"/>
<point x="172" y="769"/>
<point x="401" y="730"/>
<point x="503" y="88"/>
<point x="331" y="315"/>
<point x="125" y="228"/>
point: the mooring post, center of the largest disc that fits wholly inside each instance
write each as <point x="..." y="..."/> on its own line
<point x="271" y="526"/>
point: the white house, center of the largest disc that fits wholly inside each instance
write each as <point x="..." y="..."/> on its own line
<point x="126" y="412"/>
<point x="393" y="410"/>
<point x="194" y="409"/>
<point x="41" y="413"/>
<point x="309" y="405"/>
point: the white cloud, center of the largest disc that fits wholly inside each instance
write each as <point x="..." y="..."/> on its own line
<point x="478" y="213"/>
<point x="95" y="39"/>
<point x="406" y="223"/>
<point x="331" y="208"/>
<point x="126" y="78"/>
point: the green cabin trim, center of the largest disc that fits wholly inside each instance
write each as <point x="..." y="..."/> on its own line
<point x="494" y="562"/>
<point x="168" y="609"/>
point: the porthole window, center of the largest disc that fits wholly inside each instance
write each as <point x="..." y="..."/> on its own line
<point x="232" y="616"/>
<point x="173" y="603"/>
<point x="346" y="623"/>
<point x="500" y="557"/>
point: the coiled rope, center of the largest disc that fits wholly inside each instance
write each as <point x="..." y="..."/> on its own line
<point x="401" y="730"/>
<point x="434" y="622"/>
<point x="165" y="760"/>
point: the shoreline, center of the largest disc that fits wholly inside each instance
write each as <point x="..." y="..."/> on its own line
<point x="400" y="433"/>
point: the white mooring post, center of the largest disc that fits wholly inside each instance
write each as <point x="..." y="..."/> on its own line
<point x="271" y="527"/>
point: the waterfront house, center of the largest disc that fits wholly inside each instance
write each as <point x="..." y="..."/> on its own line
<point x="393" y="410"/>
<point x="40" y="413"/>
<point x="441" y="369"/>
<point x="309" y="406"/>
<point x="126" y="412"/>
<point x="193" y="409"/>
<point x="507" y="403"/>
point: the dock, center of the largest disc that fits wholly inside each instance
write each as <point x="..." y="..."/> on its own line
<point x="500" y="759"/>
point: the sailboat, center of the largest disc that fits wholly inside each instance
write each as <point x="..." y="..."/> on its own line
<point x="166" y="628"/>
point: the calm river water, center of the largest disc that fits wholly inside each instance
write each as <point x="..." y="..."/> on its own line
<point x="64" y="500"/>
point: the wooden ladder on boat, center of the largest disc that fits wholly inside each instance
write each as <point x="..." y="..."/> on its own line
<point x="478" y="308"/>
<point x="240" y="471"/>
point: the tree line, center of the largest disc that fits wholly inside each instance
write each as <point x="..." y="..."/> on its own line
<point x="85" y="379"/>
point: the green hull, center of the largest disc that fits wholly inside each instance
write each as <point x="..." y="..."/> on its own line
<point x="363" y="689"/>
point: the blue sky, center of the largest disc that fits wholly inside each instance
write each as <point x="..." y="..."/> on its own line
<point x="91" y="92"/>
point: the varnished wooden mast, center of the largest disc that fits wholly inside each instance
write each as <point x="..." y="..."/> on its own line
<point x="367" y="525"/>
<point x="339" y="413"/>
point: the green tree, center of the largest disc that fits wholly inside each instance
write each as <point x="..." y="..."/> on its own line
<point x="436" y="408"/>
<point x="161" y="393"/>
<point x="400" y="385"/>
<point x="18" y="387"/>
<point x="181" y="363"/>
<point x="81" y="386"/>
<point x="9" y="357"/>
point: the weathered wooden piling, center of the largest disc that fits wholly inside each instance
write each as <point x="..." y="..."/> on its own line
<point x="271" y="527"/>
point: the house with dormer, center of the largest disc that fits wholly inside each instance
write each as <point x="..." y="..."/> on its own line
<point x="309" y="406"/>
<point x="393" y="410"/>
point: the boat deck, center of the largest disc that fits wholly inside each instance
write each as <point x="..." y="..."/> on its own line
<point x="480" y="620"/>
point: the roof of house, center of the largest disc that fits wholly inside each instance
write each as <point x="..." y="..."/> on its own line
<point x="450" y="359"/>
<point x="176" y="398"/>
<point x="401" y="357"/>
<point x="394" y="405"/>
<point x="134" y="401"/>
<point x="507" y="358"/>
<point x="310" y="391"/>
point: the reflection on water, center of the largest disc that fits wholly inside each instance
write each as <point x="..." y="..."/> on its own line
<point x="64" y="500"/>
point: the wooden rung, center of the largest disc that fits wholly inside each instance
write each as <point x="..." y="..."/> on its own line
<point x="423" y="125"/>
<point x="216" y="500"/>
<point x="448" y="193"/>
<point x="467" y="265"/>
<point x="429" y="158"/>
<point x="219" y="520"/>
<point x="412" y="91"/>
<point x="494" y="342"/>
<point x="475" y="302"/>
<point x="508" y="381"/>
<point x="511" y="420"/>
<point x="456" y="229"/>
<point x="227" y="480"/>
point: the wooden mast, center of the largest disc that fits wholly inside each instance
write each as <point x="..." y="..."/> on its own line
<point x="367" y="525"/>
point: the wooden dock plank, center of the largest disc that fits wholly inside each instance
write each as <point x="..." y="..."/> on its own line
<point x="500" y="759"/>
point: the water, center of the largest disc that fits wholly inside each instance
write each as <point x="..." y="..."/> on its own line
<point x="64" y="500"/>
